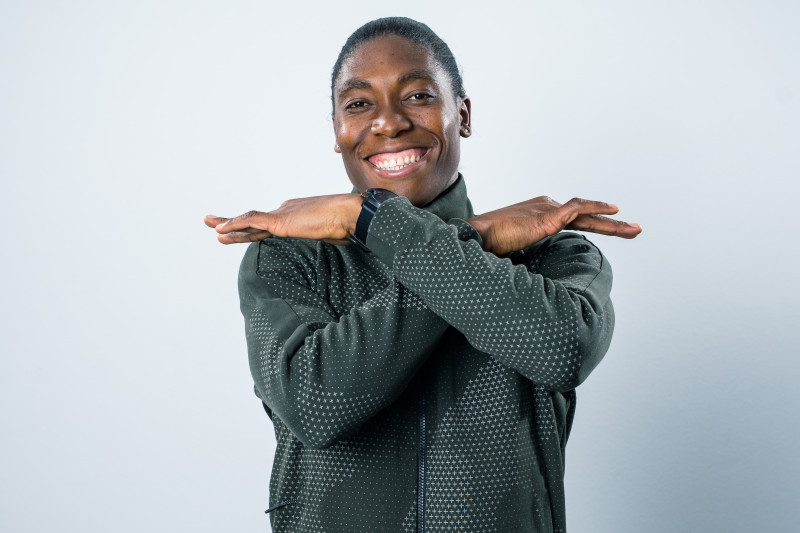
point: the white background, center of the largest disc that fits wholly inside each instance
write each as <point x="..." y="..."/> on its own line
<point x="127" y="403"/>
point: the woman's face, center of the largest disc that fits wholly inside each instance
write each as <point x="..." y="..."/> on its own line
<point x="398" y="124"/>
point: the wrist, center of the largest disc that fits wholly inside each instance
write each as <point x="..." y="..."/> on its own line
<point x="481" y="226"/>
<point x="372" y="200"/>
<point x="352" y="208"/>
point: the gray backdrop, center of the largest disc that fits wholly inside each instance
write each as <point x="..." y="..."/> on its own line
<point x="127" y="403"/>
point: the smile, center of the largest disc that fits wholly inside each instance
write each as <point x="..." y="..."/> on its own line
<point x="398" y="160"/>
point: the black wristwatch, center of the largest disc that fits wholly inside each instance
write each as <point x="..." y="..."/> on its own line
<point x="373" y="198"/>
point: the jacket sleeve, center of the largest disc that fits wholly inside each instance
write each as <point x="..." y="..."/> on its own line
<point x="323" y="375"/>
<point x="547" y="314"/>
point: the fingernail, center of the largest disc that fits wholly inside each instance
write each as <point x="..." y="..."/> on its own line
<point x="614" y="206"/>
<point x="634" y="225"/>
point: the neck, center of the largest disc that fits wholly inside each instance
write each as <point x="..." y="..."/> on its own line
<point x="451" y="202"/>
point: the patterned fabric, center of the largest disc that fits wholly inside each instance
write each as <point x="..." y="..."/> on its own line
<point x="428" y="385"/>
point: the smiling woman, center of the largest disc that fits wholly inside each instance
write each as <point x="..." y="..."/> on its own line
<point x="397" y="121"/>
<point x="425" y="379"/>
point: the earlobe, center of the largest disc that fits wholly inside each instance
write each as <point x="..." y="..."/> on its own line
<point x="337" y="148"/>
<point x="466" y="114"/>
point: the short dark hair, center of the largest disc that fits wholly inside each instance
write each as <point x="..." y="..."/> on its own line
<point x="416" y="32"/>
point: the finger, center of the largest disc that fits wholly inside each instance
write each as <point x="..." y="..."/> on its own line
<point x="605" y="226"/>
<point x="242" y="236"/>
<point x="251" y="219"/>
<point x="243" y="230"/>
<point x="579" y="206"/>
<point x="214" y="221"/>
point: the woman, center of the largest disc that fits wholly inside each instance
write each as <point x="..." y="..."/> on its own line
<point x="422" y="379"/>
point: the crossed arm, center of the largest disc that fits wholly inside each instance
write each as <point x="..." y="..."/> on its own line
<point x="302" y="357"/>
<point x="332" y="219"/>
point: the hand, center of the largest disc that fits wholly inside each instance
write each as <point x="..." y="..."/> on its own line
<point x="515" y="227"/>
<point x="330" y="218"/>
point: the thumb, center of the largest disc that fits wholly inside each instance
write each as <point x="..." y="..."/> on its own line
<point x="213" y="221"/>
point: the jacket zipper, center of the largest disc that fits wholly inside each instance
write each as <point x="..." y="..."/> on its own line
<point x="421" y="451"/>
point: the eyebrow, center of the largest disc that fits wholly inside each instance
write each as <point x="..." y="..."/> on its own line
<point x="354" y="83"/>
<point x="416" y="74"/>
<point x="412" y="75"/>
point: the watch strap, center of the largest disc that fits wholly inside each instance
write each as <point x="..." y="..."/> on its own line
<point x="372" y="200"/>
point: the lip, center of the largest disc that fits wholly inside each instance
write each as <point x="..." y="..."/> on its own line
<point x="406" y="170"/>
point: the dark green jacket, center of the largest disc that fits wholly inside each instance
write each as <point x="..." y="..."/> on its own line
<point x="427" y="386"/>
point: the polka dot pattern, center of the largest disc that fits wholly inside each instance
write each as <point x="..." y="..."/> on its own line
<point x="343" y="344"/>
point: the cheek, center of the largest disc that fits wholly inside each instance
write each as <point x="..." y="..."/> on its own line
<point x="343" y="131"/>
<point x="451" y="130"/>
<point x="451" y="126"/>
<point x="341" y="134"/>
<point x="349" y="132"/>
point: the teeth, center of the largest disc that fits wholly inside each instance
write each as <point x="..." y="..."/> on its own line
<point x="398" y="163"/>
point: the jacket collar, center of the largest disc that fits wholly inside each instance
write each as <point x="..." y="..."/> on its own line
<point x="451" y="203"/>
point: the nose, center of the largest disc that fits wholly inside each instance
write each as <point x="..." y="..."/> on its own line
<point x="390" y="121"/>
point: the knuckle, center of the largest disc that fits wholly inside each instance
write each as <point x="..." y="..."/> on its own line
<point x="576" y="201"/>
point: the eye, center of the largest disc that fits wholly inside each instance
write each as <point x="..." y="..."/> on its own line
<point x="420" y="97"/>
<point x="356" y="105"/>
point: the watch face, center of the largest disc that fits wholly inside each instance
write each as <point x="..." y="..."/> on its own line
<point x="381" y="195"/>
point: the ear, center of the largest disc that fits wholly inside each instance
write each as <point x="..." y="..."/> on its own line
<point x="337" y="148"/>
<point x="465" y="112"/>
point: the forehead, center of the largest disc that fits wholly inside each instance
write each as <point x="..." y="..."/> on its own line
<point x="386" y="59"/>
